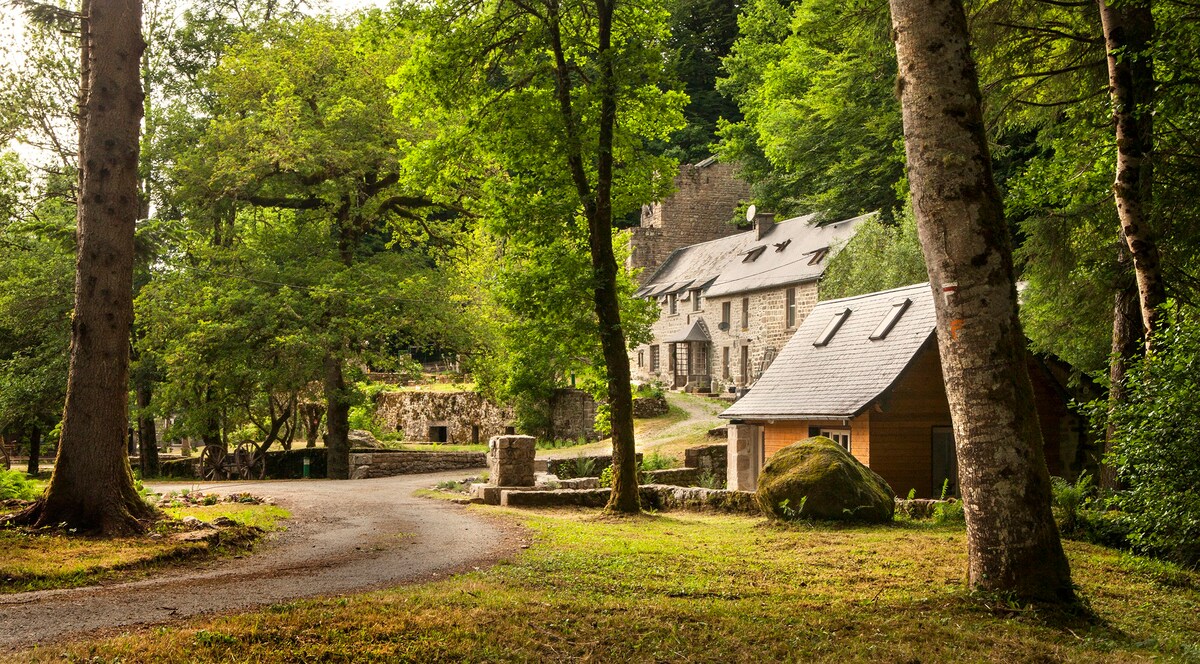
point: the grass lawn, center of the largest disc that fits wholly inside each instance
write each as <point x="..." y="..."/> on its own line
<point x="687" y="587"/>
<point x="54" y="560"/>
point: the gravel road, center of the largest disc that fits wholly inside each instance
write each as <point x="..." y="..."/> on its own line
<point x="344" y="537"/>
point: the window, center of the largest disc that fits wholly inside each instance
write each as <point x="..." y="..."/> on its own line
<point x="754" y="253"/>
<point x="745" y="365"/>
<point x="832" y="327"/>
<point x="726" y="313"/>
<point x="890" y="319"/>
<point x="672" y="304"/>
<point x="725" y="363"/>
<point x="695" y="299"/>
<point x="817" y="255"/>
<point x="654" y="359"/>
<point x="745" y="313"/>
<point x="839" y="436"/>
<point x="791" y="307"/>
<point x="641" y="358"/>
<point x="672" y="358"/>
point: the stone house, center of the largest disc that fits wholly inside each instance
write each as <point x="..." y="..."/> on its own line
<point x="707" y="196"/>
<point x="728" y="305"/>
<point x="865" y="371"/>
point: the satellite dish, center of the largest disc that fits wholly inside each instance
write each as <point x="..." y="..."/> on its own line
<point x="750" y="212"/>
<point x="723" y="326"/>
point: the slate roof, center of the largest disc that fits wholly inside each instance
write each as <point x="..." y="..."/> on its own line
<point x="719" y="266"/>
<point x="839" y="380"/>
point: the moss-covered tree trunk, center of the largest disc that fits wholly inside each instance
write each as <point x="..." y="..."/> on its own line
<point x="337" y="426"/>
<point x="1012" y="540"/>
<point x="92" y="486"/>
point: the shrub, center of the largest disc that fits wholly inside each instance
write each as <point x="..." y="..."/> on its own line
<point x="708" y="480"/>
<point x="649" y="390"/>
<point x="949" y="512"/>
<point x="1069" y="500"/>
<point x="1156" y="451"/>
<point x="606" y="477"/>
<point x="657" y="461"/>
<point x="15" y="484"/>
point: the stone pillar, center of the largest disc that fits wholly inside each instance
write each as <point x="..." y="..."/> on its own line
<point x="510" y="460"/>
<point x="741" y="473"/>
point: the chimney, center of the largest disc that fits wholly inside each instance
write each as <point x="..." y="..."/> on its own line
<point x="764" y="223"/>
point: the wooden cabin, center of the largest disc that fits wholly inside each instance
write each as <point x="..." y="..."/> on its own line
<point x="865" y="371"/>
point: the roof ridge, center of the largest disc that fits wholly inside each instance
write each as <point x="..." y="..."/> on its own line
<point x="873" y="294"/>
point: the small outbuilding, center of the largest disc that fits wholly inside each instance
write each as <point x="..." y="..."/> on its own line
<point x="865" y="372"/>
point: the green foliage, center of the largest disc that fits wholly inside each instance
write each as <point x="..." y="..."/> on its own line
<point x="879" y="256"/>
<point x="1155" y="447"/>
<point x="708" y="480"/>
<point x="822" y="125"/>
<point x="652" y="390"/>
<point x="657" y="461"/>
<point x="606" y="476"/>
<point x="584" y="466"/>
<point x="15" y="484"/>
<point x="949" y="512"/>
<point x="1069" y="499"/>
<point x="790" y="513"/>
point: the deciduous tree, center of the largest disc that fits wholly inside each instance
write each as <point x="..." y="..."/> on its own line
<point x="1013" y="543"/>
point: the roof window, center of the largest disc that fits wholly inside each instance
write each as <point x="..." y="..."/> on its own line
<point x="780" y="246"/>
<point x="890" y="319"/>
<point x="832" y="327"/>
<point x="754" y="253"/>
<point x="818" y="255"/>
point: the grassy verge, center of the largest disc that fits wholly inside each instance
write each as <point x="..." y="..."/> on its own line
<point x="706" y="588"/>
<point x="40" y="561"/>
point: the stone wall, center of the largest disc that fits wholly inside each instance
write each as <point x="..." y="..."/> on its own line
<point x="573" y="415"/>
<point x="706" y="198"/>
<point x="565" y="467"/>
<point x="510" y="460"/>
<point x="468" y="418"/>
<point x="653" y="496"/>
<point x="387" y="463"/>
<point x="644" y="407"/>
<point x="708" y="458"/>
<point x="765" y="333"/>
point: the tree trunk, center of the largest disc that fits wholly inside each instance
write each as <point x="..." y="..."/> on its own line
<point x="147" y="431"/>
<point x="1127" y="323"/>
<point x="92" y="489"/>
<point x="35" y="450"/>
<point x="337" y="425"/>
<point x="1128" y="31"/>
<point x="597" y="205"/>
<point x="1012" y="541"/>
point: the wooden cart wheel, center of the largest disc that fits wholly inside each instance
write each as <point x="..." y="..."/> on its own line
<point x="252" y="461"/>
<point x="212" y="462"/>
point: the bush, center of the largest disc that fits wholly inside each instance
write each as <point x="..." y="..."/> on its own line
<point x="1069" y="501"/>
<point x="606" y="477"/>
<point x="1156" y="450"/>
<point x="949" y="512"/>
<point x="653" y="390"/>
<point x="15" y="485"/>
<point x="657" y="461"/>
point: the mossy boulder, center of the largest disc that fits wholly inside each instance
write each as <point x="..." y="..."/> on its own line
<point x="830" y="484"/>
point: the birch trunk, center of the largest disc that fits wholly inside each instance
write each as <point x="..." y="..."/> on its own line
<point x="1012" y="541"/>
<point x="1128" y="31"/>
<point x="92" y="486"/>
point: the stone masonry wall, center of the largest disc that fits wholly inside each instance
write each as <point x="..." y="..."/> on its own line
<point x="706" y="197"/>
<point x="388" y="463"/>
<point x="467" y="416"/>
<point x="510" y="460"/>
<point x="765" y="334"/>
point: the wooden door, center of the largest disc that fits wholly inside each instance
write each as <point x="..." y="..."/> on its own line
<point x="943" y="462"/>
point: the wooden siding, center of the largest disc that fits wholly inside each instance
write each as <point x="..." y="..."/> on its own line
<point x="902" y="428"/>
<point x="778" y="435"/>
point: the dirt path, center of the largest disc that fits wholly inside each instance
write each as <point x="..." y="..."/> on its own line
<point x="668" y="434"/>
<point x="344" y="537"/>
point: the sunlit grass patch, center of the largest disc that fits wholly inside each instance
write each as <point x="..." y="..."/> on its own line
<point x="32" y="560"/>
<point x="688" y="587"/>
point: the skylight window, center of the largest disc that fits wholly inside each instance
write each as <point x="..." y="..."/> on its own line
<point x="832" y="327"/>
<point x="889" y="321"/>
<point x="780" y="246"/>
<point x="818" y="255"/>
<point x="754" y="253"/>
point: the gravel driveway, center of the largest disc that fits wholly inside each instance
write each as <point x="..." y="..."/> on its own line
<point x="344" y="537"/>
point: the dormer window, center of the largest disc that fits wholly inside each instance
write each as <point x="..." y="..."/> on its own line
<point x="890" y="319"/>
<point x="831" y="328"/>
<point x="817" y="255"/>
<point x="754" y="253"/>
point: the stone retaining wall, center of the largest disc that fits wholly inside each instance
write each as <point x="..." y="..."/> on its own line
<point x="712" y="458"/>
<point x="645" y="407"/>
<point x="674" y="476"/>
<point x="565" y="467"/>
<point x="366" y="464"/>
<point x="654" y="496"/>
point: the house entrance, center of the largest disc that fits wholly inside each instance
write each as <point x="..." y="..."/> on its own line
<point x="943" y="462"/>
<point x="439" y="434"/>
